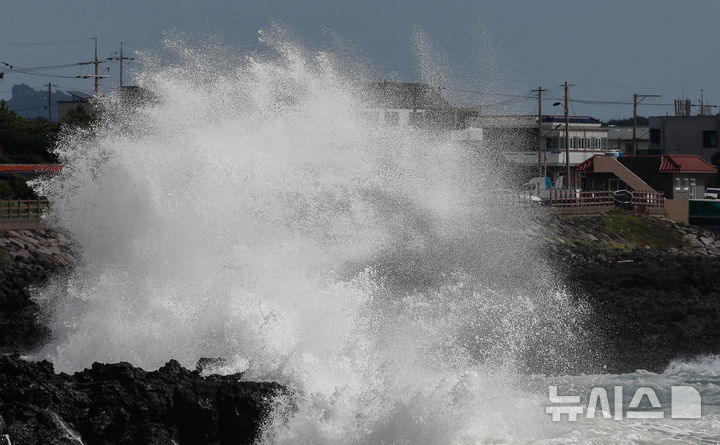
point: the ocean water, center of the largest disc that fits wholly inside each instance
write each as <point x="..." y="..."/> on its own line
<point x="250" y="211"/>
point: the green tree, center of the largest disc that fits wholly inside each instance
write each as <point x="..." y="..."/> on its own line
<point x="6" y="192"/>
<point x="77" y="117"/>
<point x="25" y="140"/>
<point x="20" y="188"/>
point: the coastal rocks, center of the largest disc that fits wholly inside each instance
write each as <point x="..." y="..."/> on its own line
<point x="651" y="304"/>
<point x="27" y="258"/>
<point x="122" y="404"/>
<point x="113" y="403"/>
<point x="693" y="241"/>
<point x="700" y="241"/>
<point x="632" y="231"/>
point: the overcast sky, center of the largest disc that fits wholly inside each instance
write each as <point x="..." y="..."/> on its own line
<point x="609" y="49"/>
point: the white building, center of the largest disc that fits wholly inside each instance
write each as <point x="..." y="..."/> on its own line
<point x="406" y="104"/>
<point x="516" y="138"/>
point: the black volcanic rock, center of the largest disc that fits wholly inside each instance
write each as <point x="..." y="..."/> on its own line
<point x="653" y="301"/>
<point x="27" y="258"/>
<point x="653" y="306"/>
<point x="122" y="404"/>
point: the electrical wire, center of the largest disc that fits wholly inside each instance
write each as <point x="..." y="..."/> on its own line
<point x="59" y="76"/>
<point x="43" y="43"/>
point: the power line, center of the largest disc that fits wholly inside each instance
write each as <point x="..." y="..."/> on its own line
<point x="43" y="43"/>
<point x="59" y="76"/>
<point x="35" y="71"/>
<point x="607" y="102"/>
<point x="48" y="67"/>
<point x="556" y="98"/>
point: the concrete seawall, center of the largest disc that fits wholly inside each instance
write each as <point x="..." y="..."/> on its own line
<point x="22" y="224"/>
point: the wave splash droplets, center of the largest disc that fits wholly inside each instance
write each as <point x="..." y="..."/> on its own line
<point x="255" y="215"/>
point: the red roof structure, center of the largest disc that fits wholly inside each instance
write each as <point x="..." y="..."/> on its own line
<point x="587" y="165"/>
<point x="21" y="169"/>
<point x="668" y="163"/>
<point x="686" y="163"/>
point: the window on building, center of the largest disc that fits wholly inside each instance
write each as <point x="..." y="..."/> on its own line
<point x="654" y="135"/>
<point x="710" y="138"/>
<point x="677" y="183"/>
<point x="392" y="118"/>
<point x="604" y="143"/>
<point x="416" y="118"/>
<point x="686" y="183"/>
<point x="693" y="188"/>
<point x="370" y="116"/>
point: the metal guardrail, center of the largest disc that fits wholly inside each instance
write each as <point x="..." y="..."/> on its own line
<point x="647" y="199"/>
<point x="577" y="198"/>
<point x="22" y="208"/>
<point x="623" y="198"/>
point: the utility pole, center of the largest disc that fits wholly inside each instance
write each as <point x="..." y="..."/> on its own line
<point x="96" y="63"/>
<point x="635" y="97"/>
<point x="567" y="134"/>
<point x="121" y="64"/>
<point x="122" y="58"/>
<point x="635" y="104"/>
<point x="540" y="135"/>
<point x="49" y="102"/>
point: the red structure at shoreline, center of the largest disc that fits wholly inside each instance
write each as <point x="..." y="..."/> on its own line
<point x="28" y="169"/>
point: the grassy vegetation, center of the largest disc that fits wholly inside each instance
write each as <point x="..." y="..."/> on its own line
<point x="643" y="231"/>
<point x="604" y="246"/>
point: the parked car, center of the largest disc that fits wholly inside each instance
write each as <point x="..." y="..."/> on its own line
<point x="712" y="193"/>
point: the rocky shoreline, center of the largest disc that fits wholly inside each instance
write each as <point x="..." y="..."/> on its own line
<point x="27" y="258"/>
<point x="652" y="286"/>
<point x="108" y="403"/>
<point x="121" y="404"/>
